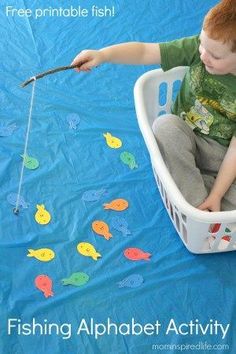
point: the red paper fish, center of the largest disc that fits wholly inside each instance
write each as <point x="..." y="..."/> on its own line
<point x="214" y="228"/>
<point x="226" y="238"/>
<point x="44" y="283"/>
<point x="136" y="254"/>
<point x="224" y="242"/>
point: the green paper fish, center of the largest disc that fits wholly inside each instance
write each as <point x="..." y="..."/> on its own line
<point x="227" y="230"/>
<point x="76" y="279"/>
<point x="30" y="162"/>
<point x="128" y="159"/>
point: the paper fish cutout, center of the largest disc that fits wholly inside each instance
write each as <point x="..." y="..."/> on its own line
<point x="128" y="159"/>
<point x="230" y="228"/>
<point x="73" y="119"/>
<point x="76" y="279"/>
<point x="121" y="225"/>
<point x="112" y="141"/>
<point x="136" y="254"/>
<point x="132" y="281"/>
<point x="42" y="254"/>
<point x="93" y="195"/>
<point x="12" y="198"/>
<point x="214" y="228"/>
<point x="44" y="283"/>
<point x="208" y="243"/>
<point x="101" y="228"/>
<point x="224" y="242"/>
<point x="211" y="241"/>
<point x="88" y="250"/>
<point x="30" y="162"/>
<point x="7" y="130"/>
<point x="42" y="216"/>
<point x="117" y="205"/>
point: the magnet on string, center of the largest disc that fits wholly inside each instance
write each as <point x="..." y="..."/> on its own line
<point x="16" y="211"/>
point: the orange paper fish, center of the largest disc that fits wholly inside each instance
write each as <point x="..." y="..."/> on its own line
<point x="101" y="228"/>
<point x="117" y="204"/>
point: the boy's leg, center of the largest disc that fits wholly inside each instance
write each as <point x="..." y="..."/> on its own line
<point x="177" y="144"/>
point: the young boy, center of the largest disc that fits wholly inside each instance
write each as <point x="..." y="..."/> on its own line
<point x="197" y="141"/>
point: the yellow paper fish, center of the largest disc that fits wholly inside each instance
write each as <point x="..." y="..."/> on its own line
<point x="42" y="254"/>
<point x="42" y="216"/>
<point x="88" y="250"/>
<point x="112" y="141"/>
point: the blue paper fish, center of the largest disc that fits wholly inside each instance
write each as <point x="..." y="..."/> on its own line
<point x="7" y="130"/>
<point x="12" y="197"/>
<point x="132" y="281"/>
<point x="93" y="195"/>
<point x="73" y="119"/>
<point x="120" y="224"/>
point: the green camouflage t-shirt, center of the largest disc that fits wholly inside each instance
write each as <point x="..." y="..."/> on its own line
<point x="206" y="102"/>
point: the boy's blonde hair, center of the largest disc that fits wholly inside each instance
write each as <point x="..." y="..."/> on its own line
<point x="220" y="22"/>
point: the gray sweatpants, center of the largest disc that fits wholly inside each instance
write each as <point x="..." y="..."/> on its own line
<point x="192" y="160"/>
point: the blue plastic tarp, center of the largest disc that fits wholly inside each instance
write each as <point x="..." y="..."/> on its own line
<point x="179" y="288"/>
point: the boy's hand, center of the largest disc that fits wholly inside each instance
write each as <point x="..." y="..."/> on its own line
<point x="211" y="203"/>
<point x="90" y="59"/>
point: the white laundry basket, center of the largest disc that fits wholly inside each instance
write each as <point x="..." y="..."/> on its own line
<point x="201" y="232"/>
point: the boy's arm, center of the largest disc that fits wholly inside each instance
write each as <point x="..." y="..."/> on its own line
<point x="224" y="179"/>
<point x="135" y="53"/>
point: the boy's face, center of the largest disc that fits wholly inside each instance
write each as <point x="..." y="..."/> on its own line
<point x="217" y="56"/>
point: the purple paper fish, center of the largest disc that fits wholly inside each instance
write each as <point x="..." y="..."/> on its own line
<point x="12" y="197"/>
<point x="73" y="119"/>
<point x="7" y="130"/>
<point x="121" y="225"/>
<point x="132" y="281"/>
<point x="93" y="195"/>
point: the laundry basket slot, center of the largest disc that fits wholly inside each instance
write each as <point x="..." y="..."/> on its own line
<point x="201" y="232"/>
<point x="177" y="218"/>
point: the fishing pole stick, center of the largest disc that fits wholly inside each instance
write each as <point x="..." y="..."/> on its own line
<point x="49" y="72"/>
